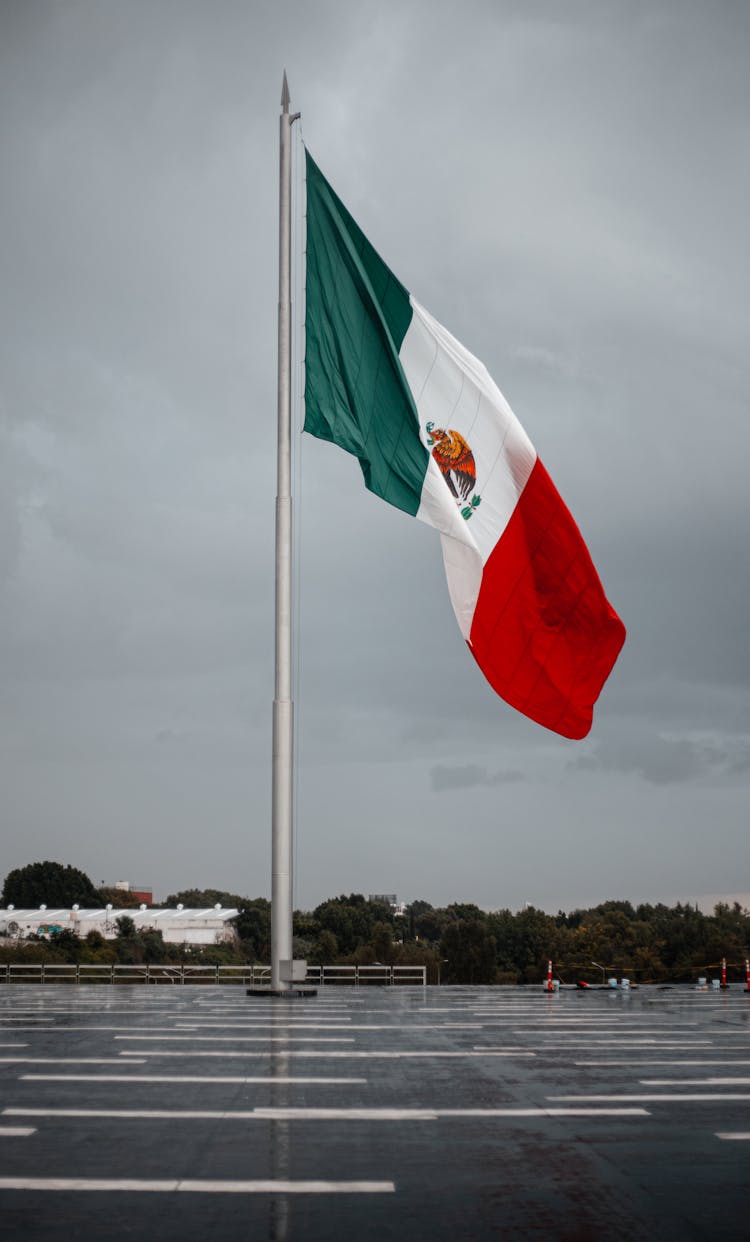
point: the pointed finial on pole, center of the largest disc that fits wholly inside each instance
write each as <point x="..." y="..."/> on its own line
<point x="285" y="94"/>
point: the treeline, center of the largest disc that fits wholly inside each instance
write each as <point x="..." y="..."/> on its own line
<point x="461" y="943"/>
<point x="458" y="943"/>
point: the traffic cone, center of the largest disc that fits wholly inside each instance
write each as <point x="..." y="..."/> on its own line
<point x="549" y="987"/>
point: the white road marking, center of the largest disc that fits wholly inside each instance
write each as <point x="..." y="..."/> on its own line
<point x="321" y="1114"/>
<point x="325" y="1053"/>
<point x="265" y="1078"/>
<point x="741" y="1136"/>
<point x="331" y="1026"/>
<point x="416" y="1114"/>
<point x="66" y="1061"/>
<point x="103" y="1011"/>
<point x="77" y="1185"/>
<point x="620" y="1043"/>
<point x="17" y="1131"/>
<point x="240" y="1039"/>
<point x="166" y="1030"/>
<point x="694" y="1082"/>
<point x="682" y="1098"/>
<point x="144" y="1056"/>
<point x="637" y="1064"/>
<point x="328" y="1025"/>
<point x="627" y="1042"/>
<point x="575" y="1028"/>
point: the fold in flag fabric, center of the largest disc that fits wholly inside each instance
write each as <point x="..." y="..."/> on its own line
<point x="435" y="437"/>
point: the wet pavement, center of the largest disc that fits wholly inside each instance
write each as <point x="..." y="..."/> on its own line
<point x="171" y="1112"/>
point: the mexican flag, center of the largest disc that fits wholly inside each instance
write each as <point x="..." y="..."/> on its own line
<point x="435" y="437"/>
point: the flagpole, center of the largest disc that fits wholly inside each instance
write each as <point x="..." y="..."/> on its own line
<point x="283" y="706"/>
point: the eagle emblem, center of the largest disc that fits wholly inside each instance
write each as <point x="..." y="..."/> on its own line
<point x="455" y="462"/>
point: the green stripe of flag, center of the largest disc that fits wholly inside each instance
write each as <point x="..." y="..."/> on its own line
<point x="356" y="316"/>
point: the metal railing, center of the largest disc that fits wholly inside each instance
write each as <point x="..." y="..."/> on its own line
<point x="255" y="976"/>
<point x="357" y="975"/>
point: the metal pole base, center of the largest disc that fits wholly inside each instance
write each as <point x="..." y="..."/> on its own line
<point x="286" y="994"/>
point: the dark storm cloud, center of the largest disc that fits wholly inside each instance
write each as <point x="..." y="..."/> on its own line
<point x="467" y="775"/>
<point x="667" y="760"/>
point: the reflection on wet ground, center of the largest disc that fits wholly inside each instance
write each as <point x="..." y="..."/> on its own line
<point x="441" y="1113"/>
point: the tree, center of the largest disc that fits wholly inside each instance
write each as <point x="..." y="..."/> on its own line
<point x="325" y="951"/>
<point x="470" y="952"/>
<point x="120" y="898"/>
<point x="502" y="925"/>
<point x="382" y="942"/>
<point x="67" y="943"/>
<point x="199" y="898"/>
<point x="351" y="919"/>
<point x="253" y="925"/>
<point x="426" y="923"/>
<point x="465" y="910"/>
<point x="153" y="945"/>
<point x="50" y="883"/>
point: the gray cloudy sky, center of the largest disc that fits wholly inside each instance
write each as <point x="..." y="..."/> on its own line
<point x="565" y="186"/>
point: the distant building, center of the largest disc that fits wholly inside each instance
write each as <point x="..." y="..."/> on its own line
<point x="177" y="925"/>
<point x="389" y="899"/>
<point x="145" y="895"/>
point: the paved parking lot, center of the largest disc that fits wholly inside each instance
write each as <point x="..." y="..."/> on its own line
<point x="442" y="1113"/>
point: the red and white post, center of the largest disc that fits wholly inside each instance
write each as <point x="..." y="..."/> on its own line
<point x="747" y="975"/>
<point x="724" y="984"/>
<point x="550" y="986"/>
